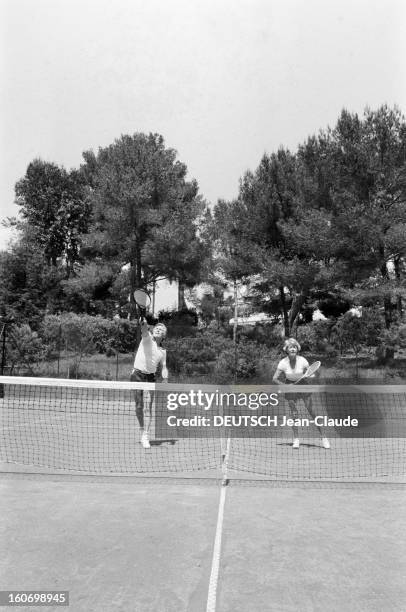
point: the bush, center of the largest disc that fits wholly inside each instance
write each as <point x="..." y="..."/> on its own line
<point x="355" y="332"/>
<point x="211" y="354"/>
<point x="76" y="333"/>
<point x="23" y="347"/>
<point x="115" y="336"/>
<point x="250" y="363"/>
<point x="317" y="337"/>
<point x="389" y="341"/>
<point x="306" y="336"/>
<point x="266" y="334"/>
<point x="203" y="348"/>
<point x="73" y="331"/>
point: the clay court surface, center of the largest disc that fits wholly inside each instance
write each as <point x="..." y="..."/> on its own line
<point x="310" y="530"/>
<point x="122" y="544"/>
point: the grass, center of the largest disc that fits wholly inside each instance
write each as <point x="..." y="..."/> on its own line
<point x="98" y="367"/>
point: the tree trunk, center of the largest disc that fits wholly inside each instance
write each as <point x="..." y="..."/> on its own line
<point x="3" y="357"/>
<point x="181" y="296"/>
<point x="294" y="312"/>
<point x="135" y="272"/>
<point x="153" y="297"/>
<point x="399" y="304"/>
<point x="285" y="312"/>
<point x="235" y="326"/>
<point x="135" y="283"/>
<point x="387" y="304"/>
<point x="138" y="265"/>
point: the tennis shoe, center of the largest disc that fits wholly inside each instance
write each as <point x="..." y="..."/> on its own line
<point x="326" y="443"/>
<point x="296" y="443"/>
<point x="145" y="440"/>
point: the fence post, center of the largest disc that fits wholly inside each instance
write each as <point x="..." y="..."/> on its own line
<point x="3" y="356"/>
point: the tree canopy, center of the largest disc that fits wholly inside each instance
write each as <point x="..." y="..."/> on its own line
<point x="127" y="217"/>
<point x="332" y="216"/>
<point x="325" y="224"/>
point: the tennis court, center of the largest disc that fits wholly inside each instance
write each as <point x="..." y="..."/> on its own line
<point x="195" y="524"/>
<point x="120" y="545"/>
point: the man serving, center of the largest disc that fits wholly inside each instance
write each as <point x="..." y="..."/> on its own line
<point x="149" y="358"/>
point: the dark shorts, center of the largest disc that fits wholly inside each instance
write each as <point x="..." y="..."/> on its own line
<point x="138" y="376"/>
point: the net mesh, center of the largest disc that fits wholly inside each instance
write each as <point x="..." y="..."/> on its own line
<point x="91" y="428"/>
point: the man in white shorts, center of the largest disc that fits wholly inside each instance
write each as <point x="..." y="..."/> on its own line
<point x="149" y="358"/>
<point x="291" y="368"/>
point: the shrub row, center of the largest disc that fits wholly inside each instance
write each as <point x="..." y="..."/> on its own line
<point x="206" y="353"/>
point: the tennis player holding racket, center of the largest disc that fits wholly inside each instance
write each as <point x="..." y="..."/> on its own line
<point x="150" y="357"/>
<point x="293" y="369"/>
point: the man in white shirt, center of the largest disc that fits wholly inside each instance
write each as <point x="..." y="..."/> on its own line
<point x="149" y="358"/>
<point x="292" y="369"/>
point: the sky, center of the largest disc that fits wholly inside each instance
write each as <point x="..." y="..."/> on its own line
<point x="224" y="81"/>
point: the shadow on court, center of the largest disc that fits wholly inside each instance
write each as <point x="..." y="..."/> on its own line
<point x="170" y="441"/>
<point x="121" y="546"/>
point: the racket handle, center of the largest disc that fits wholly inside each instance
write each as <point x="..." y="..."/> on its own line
<point x="140" y="313"/>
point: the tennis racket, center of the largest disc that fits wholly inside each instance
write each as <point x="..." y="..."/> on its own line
<point x="312" y="369"/>
<point x="142" y="301"/>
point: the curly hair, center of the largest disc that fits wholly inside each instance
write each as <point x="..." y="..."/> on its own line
<point x="161" y="326"/>
<point x="291" y="342"/>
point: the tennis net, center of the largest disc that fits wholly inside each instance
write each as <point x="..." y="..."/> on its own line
<point x="91" y="427"/>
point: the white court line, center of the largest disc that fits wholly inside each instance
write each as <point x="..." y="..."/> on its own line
<point x="215" y="564"/>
